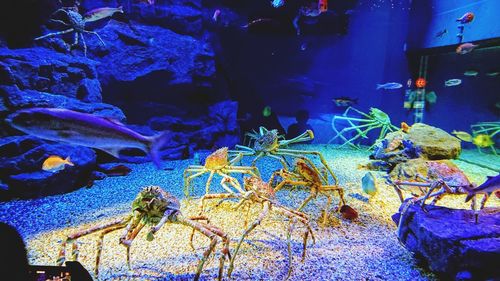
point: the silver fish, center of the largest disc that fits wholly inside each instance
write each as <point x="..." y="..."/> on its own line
<point x="368" y="184"/>
<point x="84" y="129"/>
<point x="389" y="86"/>
<point x="471" y="72"/>
<point x="101" y="13"/>
<point x="452" y="82"/>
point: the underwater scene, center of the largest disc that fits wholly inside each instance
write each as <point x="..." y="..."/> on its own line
<point x="250" y="140"/>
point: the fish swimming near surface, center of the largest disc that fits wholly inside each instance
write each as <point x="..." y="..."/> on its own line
<point x="471" y="72"/>
<point x="369" y="184"/>
<point x="345" y="101"/>
<point x="55" y="163"/>
<point x="101" y="13"/>
<point x="452" y="82"/>
<point x="491" y="185"/>
<point x="84" y="129"/>
<point x="466" y="48"/>
<point x="441" y="33"/>
<point x="483" y="140"/>
<point x="216" y="15"/>
<point x="466" y="18"/>
<point x="277" y="3"/>
<point x="389" y="86"/>
<point x="462" y="135"/>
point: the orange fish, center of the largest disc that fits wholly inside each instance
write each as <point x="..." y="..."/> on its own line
<point x="405" y="127"/>
<point x="55" y="163"/>
<point x="466" y="18"/>
<point x="323" y="5"/>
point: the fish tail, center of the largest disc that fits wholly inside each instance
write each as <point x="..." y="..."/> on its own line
<point x="68" y="161"/>
<point x="156" y="144"/>
<point x="120" y="9"/>
<point x="379" y="86"/>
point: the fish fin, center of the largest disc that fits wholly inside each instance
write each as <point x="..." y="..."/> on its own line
<point x="112" y="151"/>
<point x="157" y="142"/>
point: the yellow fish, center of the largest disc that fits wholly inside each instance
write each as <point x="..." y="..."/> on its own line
<point x="462" y="135"/>
<point x="483" y="140"/>
<point x="55" y="163"/>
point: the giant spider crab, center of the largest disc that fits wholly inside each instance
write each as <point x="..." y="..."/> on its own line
<point x="375" y="119"/>
<point x="152" y="207"/>
<point x="310" y="177"/>
<point x="267" y="143"/>
<point x="76" y="23"/>
<point x="258" y="191"/>
<point x="216" y="163"/>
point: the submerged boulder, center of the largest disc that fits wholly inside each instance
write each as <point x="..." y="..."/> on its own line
<point x="15" y="99"/>
<point x="435" y="143"/>
<point x="451" y="243"/>
<point x="21" y="159"/>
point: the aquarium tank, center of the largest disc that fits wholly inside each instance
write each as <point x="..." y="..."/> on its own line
<point x="250" y="140"/>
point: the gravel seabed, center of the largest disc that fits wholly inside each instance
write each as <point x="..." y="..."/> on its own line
<point x="365" y="249"/>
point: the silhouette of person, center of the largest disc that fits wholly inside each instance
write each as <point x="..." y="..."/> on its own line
<point x="14" y="257"/>
<point x="302" y="116"/>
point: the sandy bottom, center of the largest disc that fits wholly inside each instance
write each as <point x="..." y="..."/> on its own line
<point x="365" y="249"/>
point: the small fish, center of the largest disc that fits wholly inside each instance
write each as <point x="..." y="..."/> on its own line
<point x="322" y="6"/>
<point x="431" y="97"/>
<point x="482" y="141"/>
<point x="256" y="22"/>
<point x="348" y="212"/>
<point x="405" y="127"/>
<point x="492" y="73"/>
<point x="441" y="33"/>
<point x="266" y="112"/>
<point x="461" y="135"/>
<point x="408" y="83"/>
<point x="471" y="72"/>
<point x="101" y="13"/>
<point x="345" y="101"/>
<point x="466" y="18"/>
<point x="466" y="48"/>
<point x="303" y="46"/>
<point x="216" y="15"/>
<point x="84" y="129"/>
<point x="389" y="86"/>
<point x="277" y="3"/>
<point x="369" y="184"/>
<point x="491" y="185"/>
<point x="55" y="163"/>
<point x="452" y="82"/>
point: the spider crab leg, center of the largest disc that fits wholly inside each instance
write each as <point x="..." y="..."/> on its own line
<point x="54" y="34"/>
<point x="71" y="239"/>
<point x="299" y="153"/>
<point x="305" y="136"/>
<point x="265" y="210"/>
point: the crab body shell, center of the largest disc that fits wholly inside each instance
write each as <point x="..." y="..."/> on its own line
<point x="217" y="160"/>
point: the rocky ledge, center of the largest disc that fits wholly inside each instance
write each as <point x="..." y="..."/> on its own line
<point x="451" y="243"/>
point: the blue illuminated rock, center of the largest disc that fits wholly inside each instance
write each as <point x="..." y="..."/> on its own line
<point x="21" y="159"/>
<point x="451" y="243"/>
